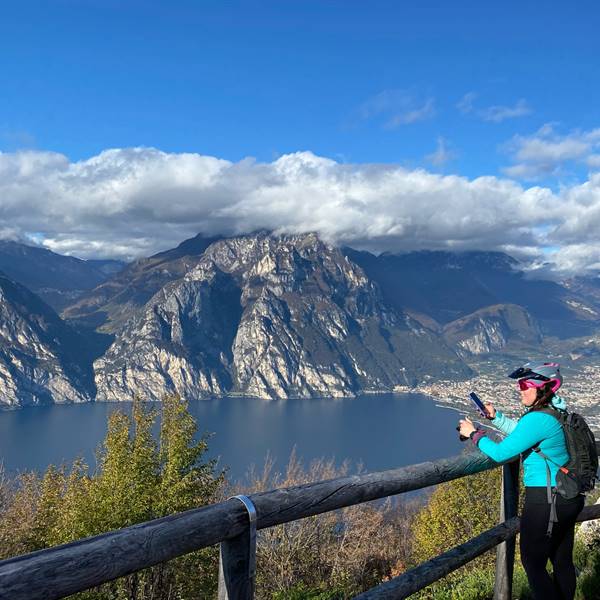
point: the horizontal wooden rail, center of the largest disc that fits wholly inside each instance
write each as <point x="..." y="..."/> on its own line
<point x="428" y="572"/>
<point x="63" y="570"/>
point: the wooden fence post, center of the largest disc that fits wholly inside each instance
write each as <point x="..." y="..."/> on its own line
<point x="237" y="563"/>
<point x="505" y="553"/>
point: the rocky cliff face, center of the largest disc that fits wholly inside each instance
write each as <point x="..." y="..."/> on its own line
<point x="493" y="328"/>
<point x="41" y="358"/>
<point x="270" y="317"/>
<point x="108" y="306"/>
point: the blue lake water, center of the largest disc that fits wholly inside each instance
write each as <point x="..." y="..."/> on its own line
<point x="380" y="431"/>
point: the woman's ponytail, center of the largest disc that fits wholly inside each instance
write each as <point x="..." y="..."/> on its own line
<point x="544" y="396"/>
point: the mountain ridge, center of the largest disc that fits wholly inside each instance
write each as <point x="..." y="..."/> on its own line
<point x="290" y="316"/>
<point x="42" y="359"/>
<point x="307" y="314"/>
<point x="56" y="278"/>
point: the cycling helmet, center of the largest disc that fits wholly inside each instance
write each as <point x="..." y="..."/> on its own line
<point x="539" y="372"/>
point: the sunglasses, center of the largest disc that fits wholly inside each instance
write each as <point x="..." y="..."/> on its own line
<point x="525" y="384"/>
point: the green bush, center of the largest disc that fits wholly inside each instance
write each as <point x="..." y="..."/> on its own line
<point x="587" y="562"/>
<point x="138" y="478"/>
<point x="302" y="592"/>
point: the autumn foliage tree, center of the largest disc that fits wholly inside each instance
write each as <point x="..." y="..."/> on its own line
<point x="138" y="478"/>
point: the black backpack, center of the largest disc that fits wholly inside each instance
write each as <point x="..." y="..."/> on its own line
<point x="578" y="475"/>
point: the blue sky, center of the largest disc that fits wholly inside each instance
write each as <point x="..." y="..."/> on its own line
<point x="371" y="123"/>
<point x="236" y="79"/>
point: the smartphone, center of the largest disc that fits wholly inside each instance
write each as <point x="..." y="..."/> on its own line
<point x="478" y="404"/>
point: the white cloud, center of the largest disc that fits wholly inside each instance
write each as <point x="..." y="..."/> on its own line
<point x="134" y="202"/>
<point x="593" y="161"/>
<point x="465" y="104"/>
<point x="497" y="114"/>
<point x="421" y="113"/>
<point x="540" y="150"/>
<point x="528" y="172"/>
<point x="442" y="153"/>
<point x="547" y="152"/>
<point x="397" y="107"/>
<point x="582" y="259"/>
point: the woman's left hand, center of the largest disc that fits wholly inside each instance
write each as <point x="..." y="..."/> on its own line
<point x="466" y="427"/>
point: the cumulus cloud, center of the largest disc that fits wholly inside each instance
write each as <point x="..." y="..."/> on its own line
<point x="397" y="107"/>
<point x="133" y="202"/>
<point x="547" y="152"/>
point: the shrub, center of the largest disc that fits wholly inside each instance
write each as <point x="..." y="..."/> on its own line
<point x="333" y="555"/>
<point x="138" y="478"/>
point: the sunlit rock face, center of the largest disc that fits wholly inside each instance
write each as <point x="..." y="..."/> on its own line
<point x="108" y="306"/>
<point x="273" y="317"/>
<point x="42" y="360"/>
<point x="492" y="329"/>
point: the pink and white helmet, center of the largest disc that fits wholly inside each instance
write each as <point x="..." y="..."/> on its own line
<point x="538" y="374"/>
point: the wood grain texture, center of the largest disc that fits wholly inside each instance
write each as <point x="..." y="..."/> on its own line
<point x="63" y="570"/>
<point x="236" y="582"/>
<point x="505" y="553"/>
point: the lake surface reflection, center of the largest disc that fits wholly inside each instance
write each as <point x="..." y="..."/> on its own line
<point x="380" y="431"/>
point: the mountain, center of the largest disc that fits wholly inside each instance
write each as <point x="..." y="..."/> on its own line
<point x="273" y="317"/>
<point x="493" y="329"/>
<point x="589" y="289"/>
<point x="57" y="279"/>
<point x="283" y="317"/>
<point x="113" y="302"/>
<point x="107" y="267"/>
<point x="446" y="286"/>
<point x="42" y="359"/>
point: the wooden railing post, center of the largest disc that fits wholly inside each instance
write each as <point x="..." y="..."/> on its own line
<point x="505" y="553"/>
<point x="237" y="564"/>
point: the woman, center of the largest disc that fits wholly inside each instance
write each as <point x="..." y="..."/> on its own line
<point x="544" y="534"/>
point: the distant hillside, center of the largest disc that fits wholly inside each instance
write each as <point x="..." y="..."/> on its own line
<point x="107" y="267"/>
<point x="57" y="279"/>
<point x="446" y="286"/>
<point x="277" y="316"/>
<point x="114" y="301"/>
<point x="493" y="329"/>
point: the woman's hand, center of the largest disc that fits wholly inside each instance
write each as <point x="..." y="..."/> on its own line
<point x="490" y="410"/>
<point x="466" y="427"/>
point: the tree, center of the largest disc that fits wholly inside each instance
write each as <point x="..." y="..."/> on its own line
<point x="456" y="512"/>
<point x="138" y="478"/>
<point x="330" y="556"/>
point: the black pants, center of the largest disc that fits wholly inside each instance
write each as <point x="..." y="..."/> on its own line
<point x="537" y="548"/>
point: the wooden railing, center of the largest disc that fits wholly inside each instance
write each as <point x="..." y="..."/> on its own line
<point x="64" y="570"/>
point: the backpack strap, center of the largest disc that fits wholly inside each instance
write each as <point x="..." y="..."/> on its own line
<point x="550" y="493"/>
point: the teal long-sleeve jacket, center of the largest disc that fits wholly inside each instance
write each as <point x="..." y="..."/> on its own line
<point x="531" y="428"/>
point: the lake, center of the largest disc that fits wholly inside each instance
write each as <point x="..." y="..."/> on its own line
<point x="381" y="431"/>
